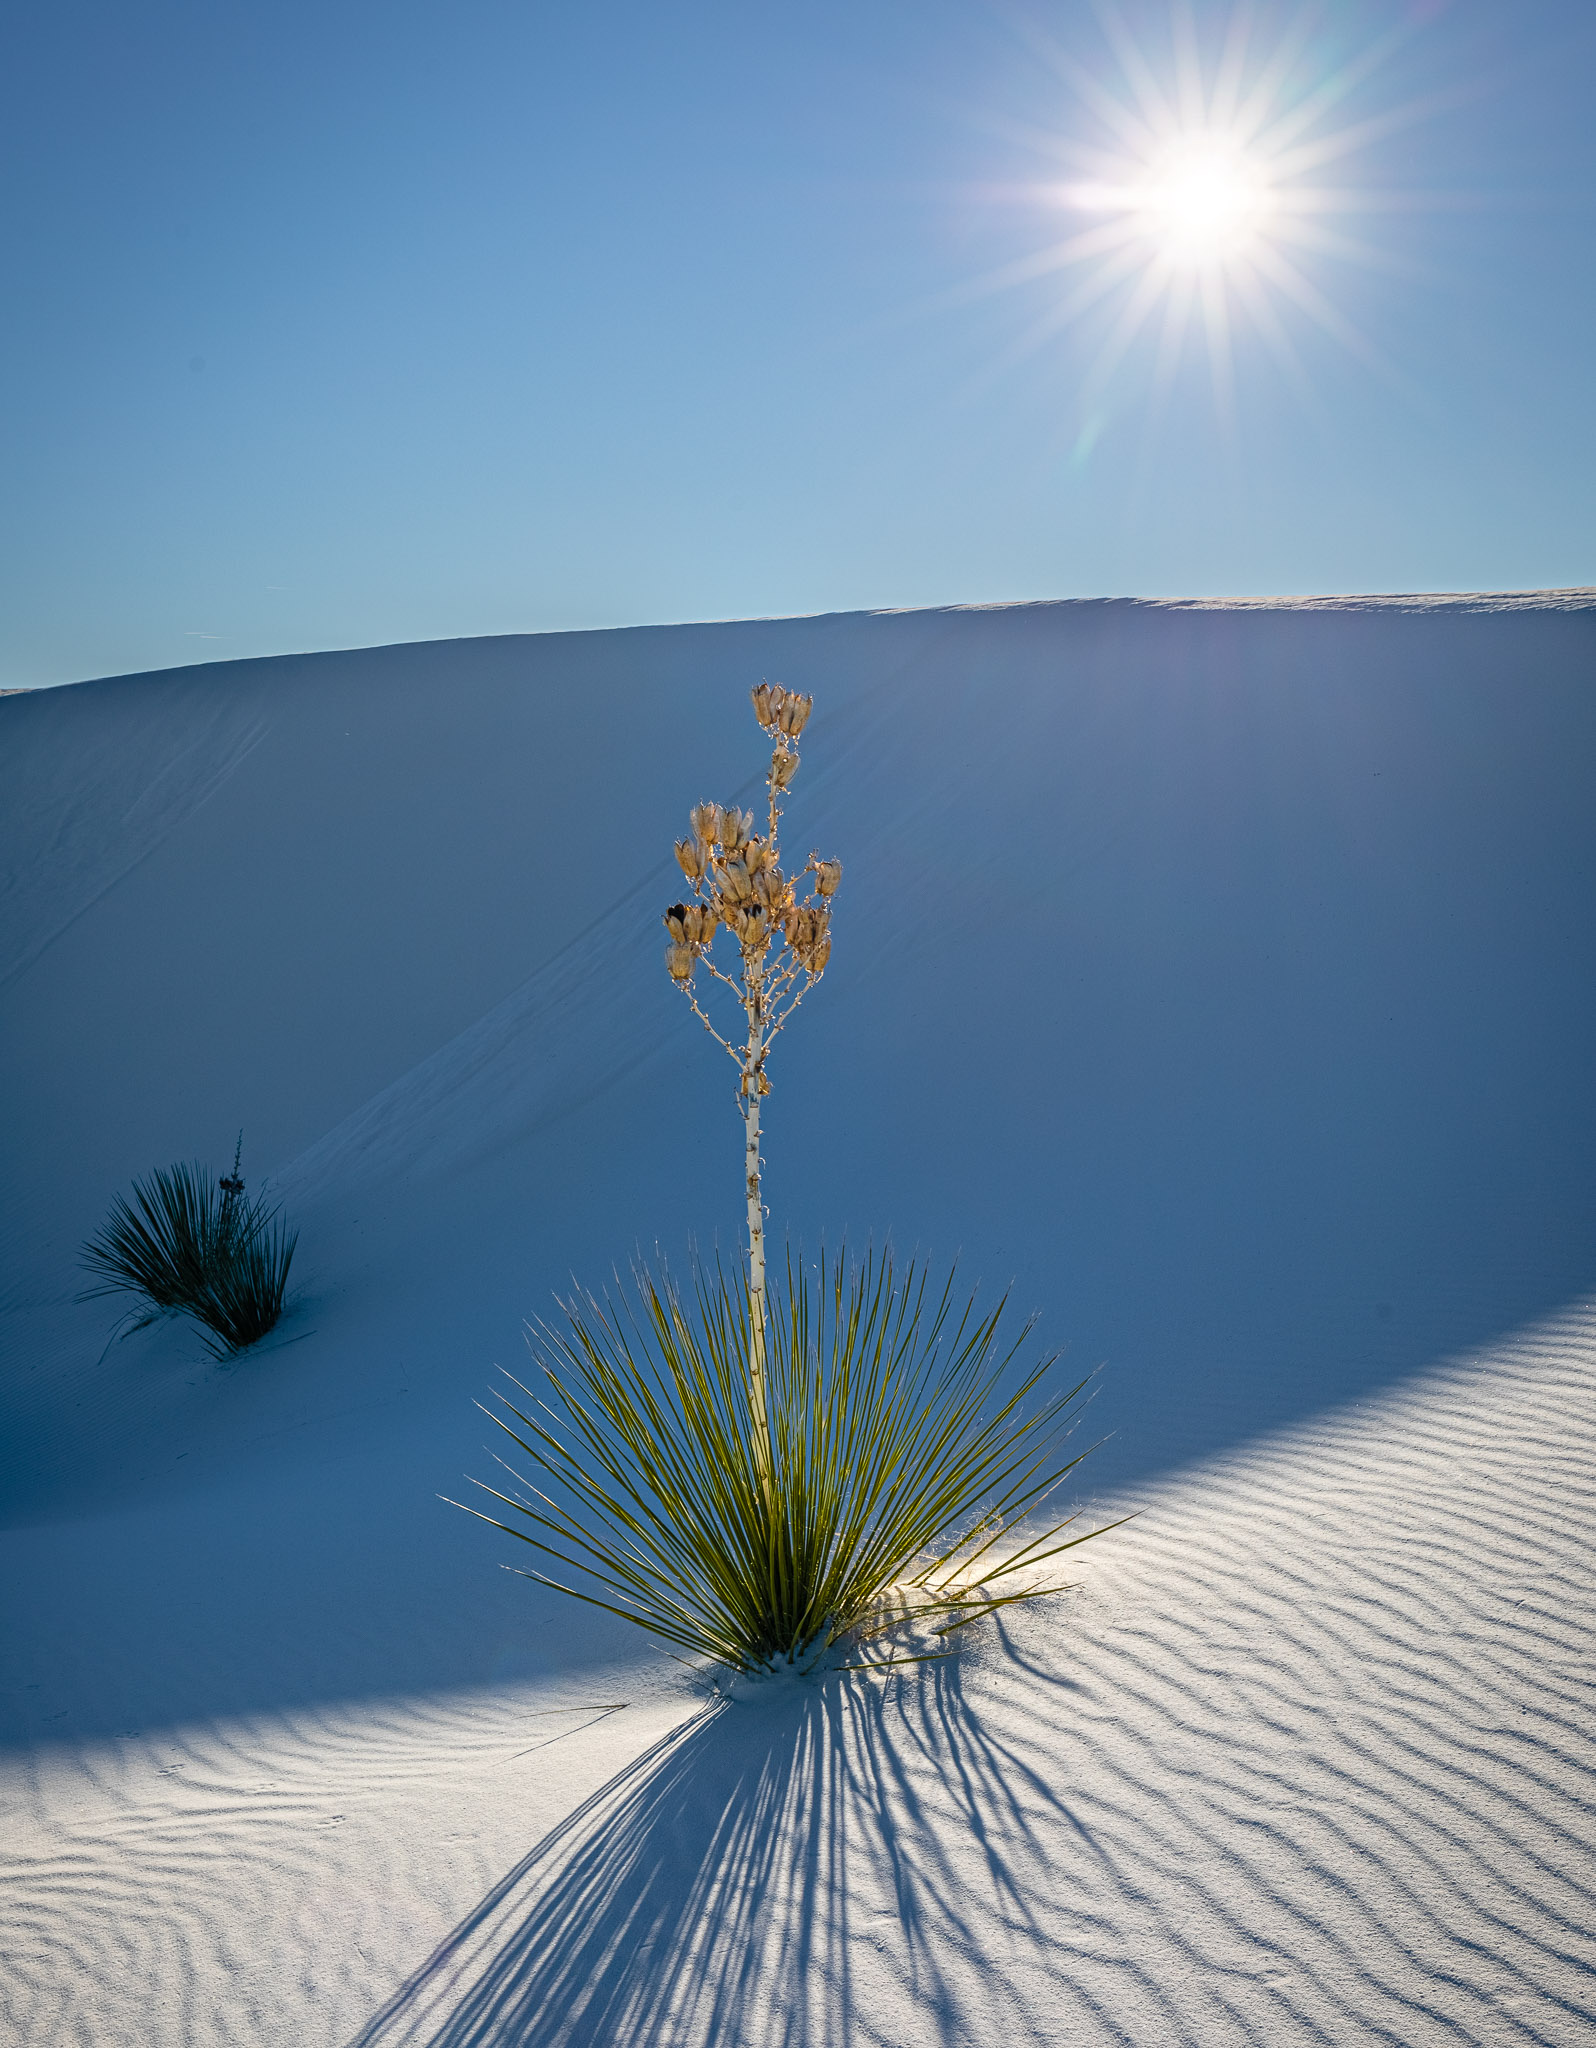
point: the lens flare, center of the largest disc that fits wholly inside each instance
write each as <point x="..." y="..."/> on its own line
<point x="1196" y="183"/>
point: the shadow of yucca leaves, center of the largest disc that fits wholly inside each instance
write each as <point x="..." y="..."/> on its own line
<point x="703" y="1894"/>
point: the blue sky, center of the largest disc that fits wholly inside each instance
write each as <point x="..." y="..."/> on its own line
<point x="336" y="325"/>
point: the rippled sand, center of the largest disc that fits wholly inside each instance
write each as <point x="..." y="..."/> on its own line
<point x="1307" y="1756"/>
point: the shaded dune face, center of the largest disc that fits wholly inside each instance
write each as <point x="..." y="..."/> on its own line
<point x="1219" y="974"/>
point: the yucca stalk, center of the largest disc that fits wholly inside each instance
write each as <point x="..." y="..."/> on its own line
<point x="782" y="929"/>
<point x="897" y="1464"/>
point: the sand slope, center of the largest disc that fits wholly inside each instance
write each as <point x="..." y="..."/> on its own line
<point x="1223" y="974"/>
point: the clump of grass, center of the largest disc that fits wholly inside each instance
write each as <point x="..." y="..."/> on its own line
<point x="884" y="1482"/>
<point x="191" y="1244"/>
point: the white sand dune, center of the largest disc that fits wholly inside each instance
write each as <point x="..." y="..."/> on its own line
<point x="1224" y="974"/>
<point x="1306" y="1757"/>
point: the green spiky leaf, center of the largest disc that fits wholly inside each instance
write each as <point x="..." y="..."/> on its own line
<point x="901" y="1456"/>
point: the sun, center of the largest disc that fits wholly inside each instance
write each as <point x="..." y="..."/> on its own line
<point x="1205" y="190"/>
<point x="1205" y="202"/>
<point x="1199" y="199"/>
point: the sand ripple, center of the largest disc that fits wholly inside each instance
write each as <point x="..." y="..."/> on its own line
<point x="1308" y="1758"/>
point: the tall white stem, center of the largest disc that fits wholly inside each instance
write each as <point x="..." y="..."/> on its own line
<point x="756" y="1220"/>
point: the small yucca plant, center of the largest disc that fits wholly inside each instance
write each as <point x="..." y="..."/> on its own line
<point x="191" y="1244"/>
<point x="895" y="1465"/>
<point x="753" y="1487"/>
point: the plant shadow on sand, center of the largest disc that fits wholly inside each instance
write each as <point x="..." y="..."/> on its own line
<point x="714" y="1885"/>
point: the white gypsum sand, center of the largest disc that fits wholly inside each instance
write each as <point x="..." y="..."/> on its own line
<point x="1222" y="974"/>
<point x="1306" y="1758"/>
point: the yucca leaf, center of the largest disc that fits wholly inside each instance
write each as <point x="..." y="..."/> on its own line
<point x="899" y="1461"/>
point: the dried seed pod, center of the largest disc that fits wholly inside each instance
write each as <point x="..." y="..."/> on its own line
<point x="676" y="923"/>
<point x="770" y="886"/>
<point x="754" y="855"/>
<point x="793" y="713"/>
<point x="699" y="923"/>
<point x="735" y="828"/>
<point x="809" y="936"/>
<point x="736" y="884"/>
<point x="679" y="962"/>
<point x="782" y="769"/>
<point x="705" y="821"/>
<point x="767" y="702"/>
<point x="828" y="873"/>
<point x="750" y="925"/>
<point x="692" y="857"/>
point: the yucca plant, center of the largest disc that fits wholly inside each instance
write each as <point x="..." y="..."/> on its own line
<point x="896" y="1464"/>
<point x="192" y="1244"/>
<point x="759" y="1487"/>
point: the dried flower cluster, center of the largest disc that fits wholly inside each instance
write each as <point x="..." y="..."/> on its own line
<point x="782" y="925"/>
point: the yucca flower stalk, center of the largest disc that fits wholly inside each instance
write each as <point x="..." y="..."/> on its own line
<point x="781" y="928"/>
